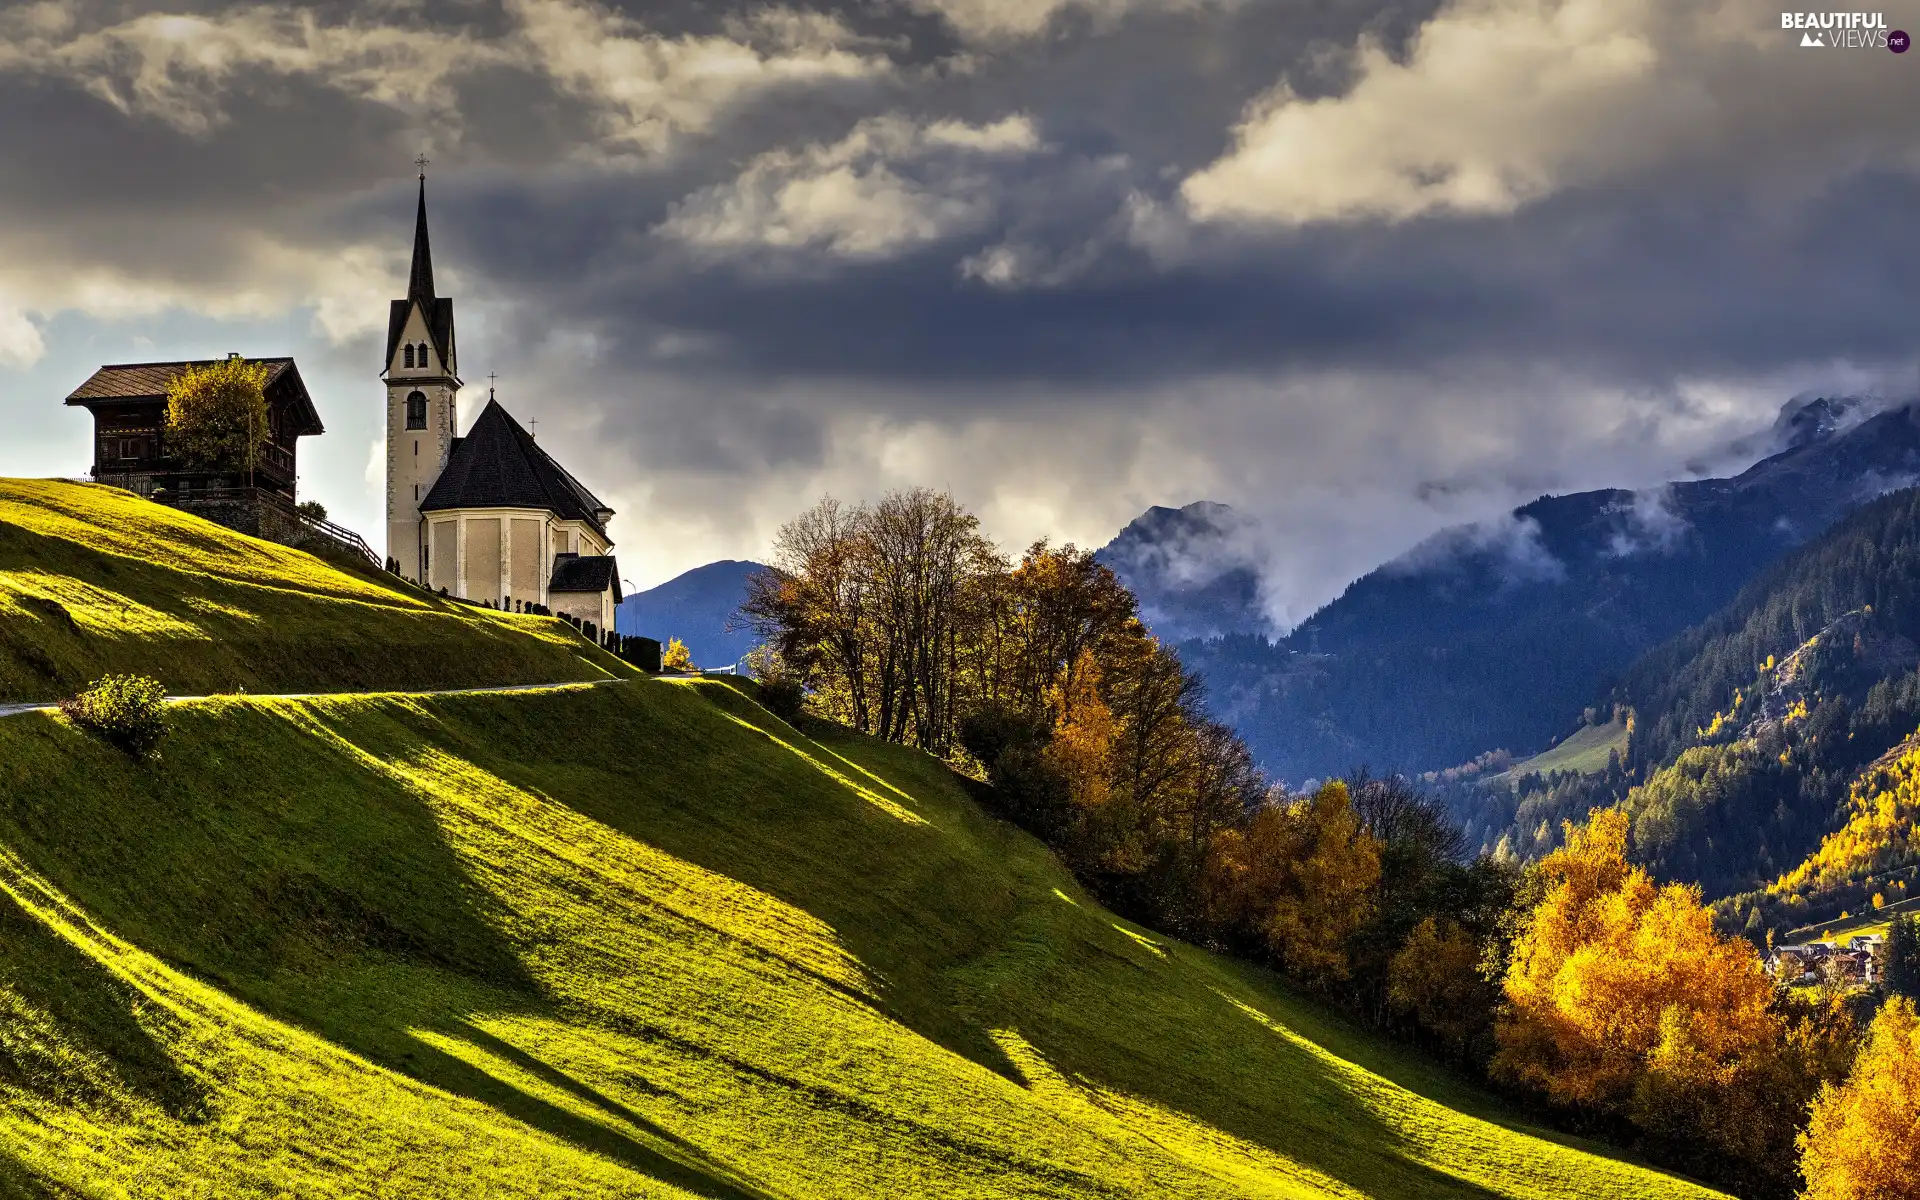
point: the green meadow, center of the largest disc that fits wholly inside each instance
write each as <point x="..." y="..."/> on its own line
<point x="638" y="939"/>
<point x="1585" y="752"/>
<point x="94" y="579"/>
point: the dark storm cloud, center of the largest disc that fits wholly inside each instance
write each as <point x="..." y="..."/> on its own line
<point x="1340" y="263"/>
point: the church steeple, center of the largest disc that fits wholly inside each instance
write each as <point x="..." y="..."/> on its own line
<point x="420" y="328"/>
<point x="422" y="375"/>
<point x="420" y="282"/>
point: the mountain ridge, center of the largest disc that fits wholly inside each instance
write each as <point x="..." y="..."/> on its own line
<point x="1188" y="569"/>
<point x="1494" y="636"/>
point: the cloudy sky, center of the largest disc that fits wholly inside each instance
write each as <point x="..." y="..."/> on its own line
<point x="1362" y="268"/>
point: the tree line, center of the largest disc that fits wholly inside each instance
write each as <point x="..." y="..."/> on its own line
<point x="1579" y="980"/>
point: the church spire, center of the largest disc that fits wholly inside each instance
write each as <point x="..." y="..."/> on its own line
<point x="420" y="283"/>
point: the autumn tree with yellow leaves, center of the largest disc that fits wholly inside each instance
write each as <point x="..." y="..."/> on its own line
<point x="1864" y="1139"/>
<point x="217" y="414"/>
<point x="674" y="656"/>
<point x="1083" y="730"/>
<point x="1300" y="878"/>
<point x="1621" y="999"/>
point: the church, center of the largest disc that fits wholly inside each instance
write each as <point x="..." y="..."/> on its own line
<point x="490" y="516"/>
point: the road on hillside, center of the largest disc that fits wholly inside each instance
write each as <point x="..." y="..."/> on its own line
<point x="14" y="710"/>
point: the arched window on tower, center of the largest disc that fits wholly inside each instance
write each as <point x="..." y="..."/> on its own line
<point x="422" y="353"/>
<point x="416" y="410"/>
<point x="409" y="358"/>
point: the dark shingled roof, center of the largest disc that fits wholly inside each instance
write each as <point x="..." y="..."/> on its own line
<point x="438" y="309"/>
<point x="499" y="465"/>
<point x="586" y="573"/>
<point x="149" y="381"/>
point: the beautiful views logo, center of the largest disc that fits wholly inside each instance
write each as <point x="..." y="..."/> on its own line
<point x="1845" y="31"/>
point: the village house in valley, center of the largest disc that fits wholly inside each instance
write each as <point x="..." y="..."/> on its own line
<point x="490" y="516"/>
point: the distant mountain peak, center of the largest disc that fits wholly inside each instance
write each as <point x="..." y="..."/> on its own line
<point x="697" y="607"/>
<point x="1194" y="570"/>
<point x="1809" y="418"/>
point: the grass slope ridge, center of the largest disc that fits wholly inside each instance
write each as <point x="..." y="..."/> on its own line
<point x="94" y="579"/>
<point x="1585" y="751"/>
<point x="643" y="940"/>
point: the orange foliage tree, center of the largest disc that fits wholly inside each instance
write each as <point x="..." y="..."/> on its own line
<point x="1622" y="998"/>
<point x="1082" y="733"/>
<point x="1862" y="1142"/>
<point x="1436" y="979"/>
<point x="1300" y="877"/>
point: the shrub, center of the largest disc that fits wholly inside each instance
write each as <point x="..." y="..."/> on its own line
<point x="781" y="691"/>
<point x="676" y="657"/>
<point x="783" y="697"/>
<point x="313" y="510"/>
<point x="1027" y="785"/>
<point x="127" y="710"/>
<point x="1435" y="978"/>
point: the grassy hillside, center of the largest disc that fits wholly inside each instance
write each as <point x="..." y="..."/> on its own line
<point x="1584" y="752"/>
<point x="95" y="579"/>
<point x="634" y="939"/>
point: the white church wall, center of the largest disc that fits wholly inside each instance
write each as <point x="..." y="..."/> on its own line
<point x="524" y="560"/>
<point x="445" y="556"/>
<point x="483" y="559"/>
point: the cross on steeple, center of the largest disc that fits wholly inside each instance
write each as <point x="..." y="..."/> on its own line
<point x="422" y="162"/>
<point x="533" y="429"/>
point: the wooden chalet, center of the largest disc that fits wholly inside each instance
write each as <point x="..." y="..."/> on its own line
<point x="129" y="407"/>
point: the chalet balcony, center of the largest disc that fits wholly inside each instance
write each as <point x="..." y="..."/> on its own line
<point x="276" y="469"/>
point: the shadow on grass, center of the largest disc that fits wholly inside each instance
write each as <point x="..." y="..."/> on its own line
<point x="656" y="1152"/>
<point x="206" y="859"/>
<point x="91" y="1009"/>
<point x="18" y="1183"/>
<point x="911" y="908"/>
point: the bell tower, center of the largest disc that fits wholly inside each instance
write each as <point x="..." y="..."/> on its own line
<point x="422" y="378"/>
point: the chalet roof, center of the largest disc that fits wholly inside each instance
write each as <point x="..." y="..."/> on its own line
<point x="130" y="382"/>
<point x="586" y="573"/>
<point x="437" y="309"/>
<point x="499" y="465"/>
